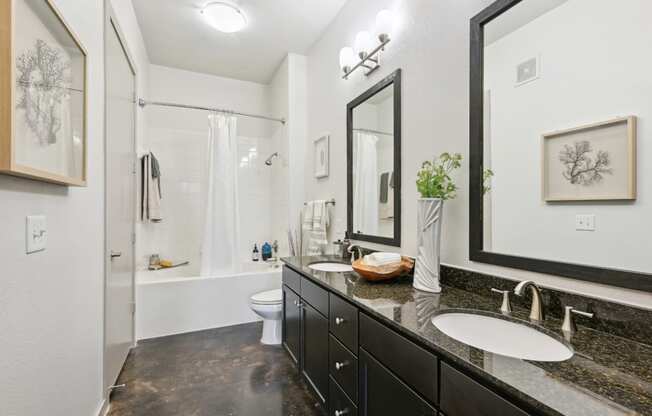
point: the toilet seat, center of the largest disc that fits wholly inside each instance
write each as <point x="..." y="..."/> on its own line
<point x="270" y="297"/>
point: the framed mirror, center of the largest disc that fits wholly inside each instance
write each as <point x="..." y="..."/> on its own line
<point x="374" y="163"/>
<point x="559" y="134"/>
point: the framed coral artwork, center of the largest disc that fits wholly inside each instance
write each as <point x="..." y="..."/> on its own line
<point x="42" y="93"/>
<point x="596" y="162"/>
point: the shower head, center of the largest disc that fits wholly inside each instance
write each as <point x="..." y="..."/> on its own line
<point x="268" y="161"/>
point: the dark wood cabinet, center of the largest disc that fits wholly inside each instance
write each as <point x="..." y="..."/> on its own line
<point x="344" y="322"/>
<point x="292" y="324"/>
<point x="462" y="396"/>
<point x="381" y="393"/>
<point x="358" y="365"/>
<point x="315" y="351"/>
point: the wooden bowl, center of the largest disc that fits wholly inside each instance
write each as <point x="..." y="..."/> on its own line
<point x="378" y="274"/>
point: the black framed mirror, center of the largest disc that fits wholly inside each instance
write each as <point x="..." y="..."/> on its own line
<point x="554" y="104"/>
<point x="373" y="150"/>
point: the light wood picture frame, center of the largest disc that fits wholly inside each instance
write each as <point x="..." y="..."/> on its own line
<point x="595" y="162"/>
<point x="43" y="94"/>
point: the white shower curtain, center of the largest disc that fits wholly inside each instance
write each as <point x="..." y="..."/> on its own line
<point x="220" y="246"/>
<point x="365" y="185"/>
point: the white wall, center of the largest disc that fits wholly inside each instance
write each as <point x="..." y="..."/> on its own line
<point x="585" y="65"/>
<point x="431" y="46"/>
<point x="51" y="303"/>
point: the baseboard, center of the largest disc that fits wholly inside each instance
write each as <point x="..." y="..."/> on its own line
<point x="104" y="407"/>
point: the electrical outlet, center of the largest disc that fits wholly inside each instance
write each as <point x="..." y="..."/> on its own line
<point x="36" y="235"/>
<point x="585" y="222"/>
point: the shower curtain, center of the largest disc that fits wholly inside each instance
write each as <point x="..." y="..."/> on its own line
<point x="220" y="245"/>
<point x="365" y="185"/>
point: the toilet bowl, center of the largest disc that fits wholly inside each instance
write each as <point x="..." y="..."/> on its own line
<point x="269" y="306"/>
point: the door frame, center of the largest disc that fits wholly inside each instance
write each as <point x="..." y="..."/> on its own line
<point x="111" y="23"/>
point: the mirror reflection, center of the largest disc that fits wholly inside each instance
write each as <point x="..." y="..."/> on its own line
<point x="374" y="180"/>
<point x="566" y="99"/>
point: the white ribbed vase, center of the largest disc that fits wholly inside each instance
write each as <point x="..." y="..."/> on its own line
<point x="426" y="271"/>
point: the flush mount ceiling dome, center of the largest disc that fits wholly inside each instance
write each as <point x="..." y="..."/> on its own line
<point x="224" y="17"/>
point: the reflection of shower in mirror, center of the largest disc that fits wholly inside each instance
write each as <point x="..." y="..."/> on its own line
<point x="269" y="160"/>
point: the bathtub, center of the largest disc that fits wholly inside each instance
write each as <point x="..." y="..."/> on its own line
<point x="178" y="300"/>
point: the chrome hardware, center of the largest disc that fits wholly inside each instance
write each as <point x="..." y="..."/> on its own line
<point x="115" y="254"/>
<point x="569" y="327"/>
<point x="506" y="307"/>
<point x="339" y="366"/>
<point x="537" y="314"/>
<point x="339" y="321"/>
<point x="341" y="412"/>
<point x="116" y="386"/>
<point x="296" y="303"/>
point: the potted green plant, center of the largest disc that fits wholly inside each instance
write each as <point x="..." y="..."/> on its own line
<point x="435" y="186"/>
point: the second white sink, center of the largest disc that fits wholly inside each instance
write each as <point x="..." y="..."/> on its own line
<point x="502" y="337"/>
<point x="331" y="267"/>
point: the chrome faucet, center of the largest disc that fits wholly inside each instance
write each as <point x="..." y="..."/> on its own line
<point x="537" y="314"/>
<point x="351" y="248"/>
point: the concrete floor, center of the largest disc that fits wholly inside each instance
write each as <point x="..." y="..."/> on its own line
<point x="223" y="371"/>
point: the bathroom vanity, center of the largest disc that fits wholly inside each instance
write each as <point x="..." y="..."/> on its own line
<point x="372" y="349"/>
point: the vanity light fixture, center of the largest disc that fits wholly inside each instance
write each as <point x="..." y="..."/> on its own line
<point x="224" y="16"/>
<point x="367" y="52"/>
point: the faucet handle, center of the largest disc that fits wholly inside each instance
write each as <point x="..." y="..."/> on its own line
<point x="569" y="326"/>
<point x="506" y="307"/>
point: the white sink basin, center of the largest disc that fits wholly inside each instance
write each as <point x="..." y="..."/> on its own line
<point x="502" y="337"/>
<point x="331" y="267"/>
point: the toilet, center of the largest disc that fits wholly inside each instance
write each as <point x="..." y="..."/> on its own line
<point x="269" y="306"/>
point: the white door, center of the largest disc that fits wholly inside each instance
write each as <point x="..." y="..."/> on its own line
<point x="120" y="204"/>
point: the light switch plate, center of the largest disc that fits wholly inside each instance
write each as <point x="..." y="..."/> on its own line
<point x="36" y="235"/>
<point x="585" y="222"/>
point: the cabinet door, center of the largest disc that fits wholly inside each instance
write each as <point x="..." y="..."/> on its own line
<point x="291" y="324"/>
<point x="315" y="351"/>
<point x="381" y="393"/>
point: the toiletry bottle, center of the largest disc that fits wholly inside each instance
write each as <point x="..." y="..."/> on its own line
<point x="255" y="255"/>
<point x="267" y="251"/>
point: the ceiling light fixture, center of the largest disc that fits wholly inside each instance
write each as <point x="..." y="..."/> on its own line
<point x="224" y="17"/>
<point x="364" y="48"/>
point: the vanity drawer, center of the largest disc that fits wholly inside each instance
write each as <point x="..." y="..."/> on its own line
<point x="292" y="279"/>
<point x="414" y="365"/>
<point x="339" y="402"/>
<point x="343" y="368"/>
<point x="461" y="396"/>
<point x="344" y="322"/>
<point x="315" y="296"/>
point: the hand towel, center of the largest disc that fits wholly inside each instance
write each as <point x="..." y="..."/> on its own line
<point x="381" y="259"/>
<point x="317" y="236"/>
<point x="151" y="195"/>
<point x="384" y="187"/>
<point x="307" y="216"/>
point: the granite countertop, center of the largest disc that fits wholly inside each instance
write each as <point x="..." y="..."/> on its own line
<point x="608" y="375"/>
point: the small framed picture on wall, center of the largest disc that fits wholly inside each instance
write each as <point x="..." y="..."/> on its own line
<point x="321" y="156"/>
<point x="591" y="163"/>
<point x="42" y="94"/>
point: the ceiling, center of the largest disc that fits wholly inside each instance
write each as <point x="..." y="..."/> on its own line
<point x="177" y="36"/>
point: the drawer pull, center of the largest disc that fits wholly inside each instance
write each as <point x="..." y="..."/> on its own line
<point x="339" y="321"/>
<point x="341" y="412"/>
<point x="339" y="366"/>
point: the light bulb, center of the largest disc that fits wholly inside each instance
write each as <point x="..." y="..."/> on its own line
<point x="384" y="25"/>
<point x="224" y="17"/>
<point x="347" y="58"/>
<point x="363" y="44"/>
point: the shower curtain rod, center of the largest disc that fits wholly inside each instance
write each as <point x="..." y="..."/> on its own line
<point x="143" y="103"/>
<point x="374" y="131"/>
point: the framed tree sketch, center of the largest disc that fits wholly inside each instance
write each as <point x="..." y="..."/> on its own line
<point x="591" y="163"/>
<point x="42" y="93"/>
<point x="322" y="156"/>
